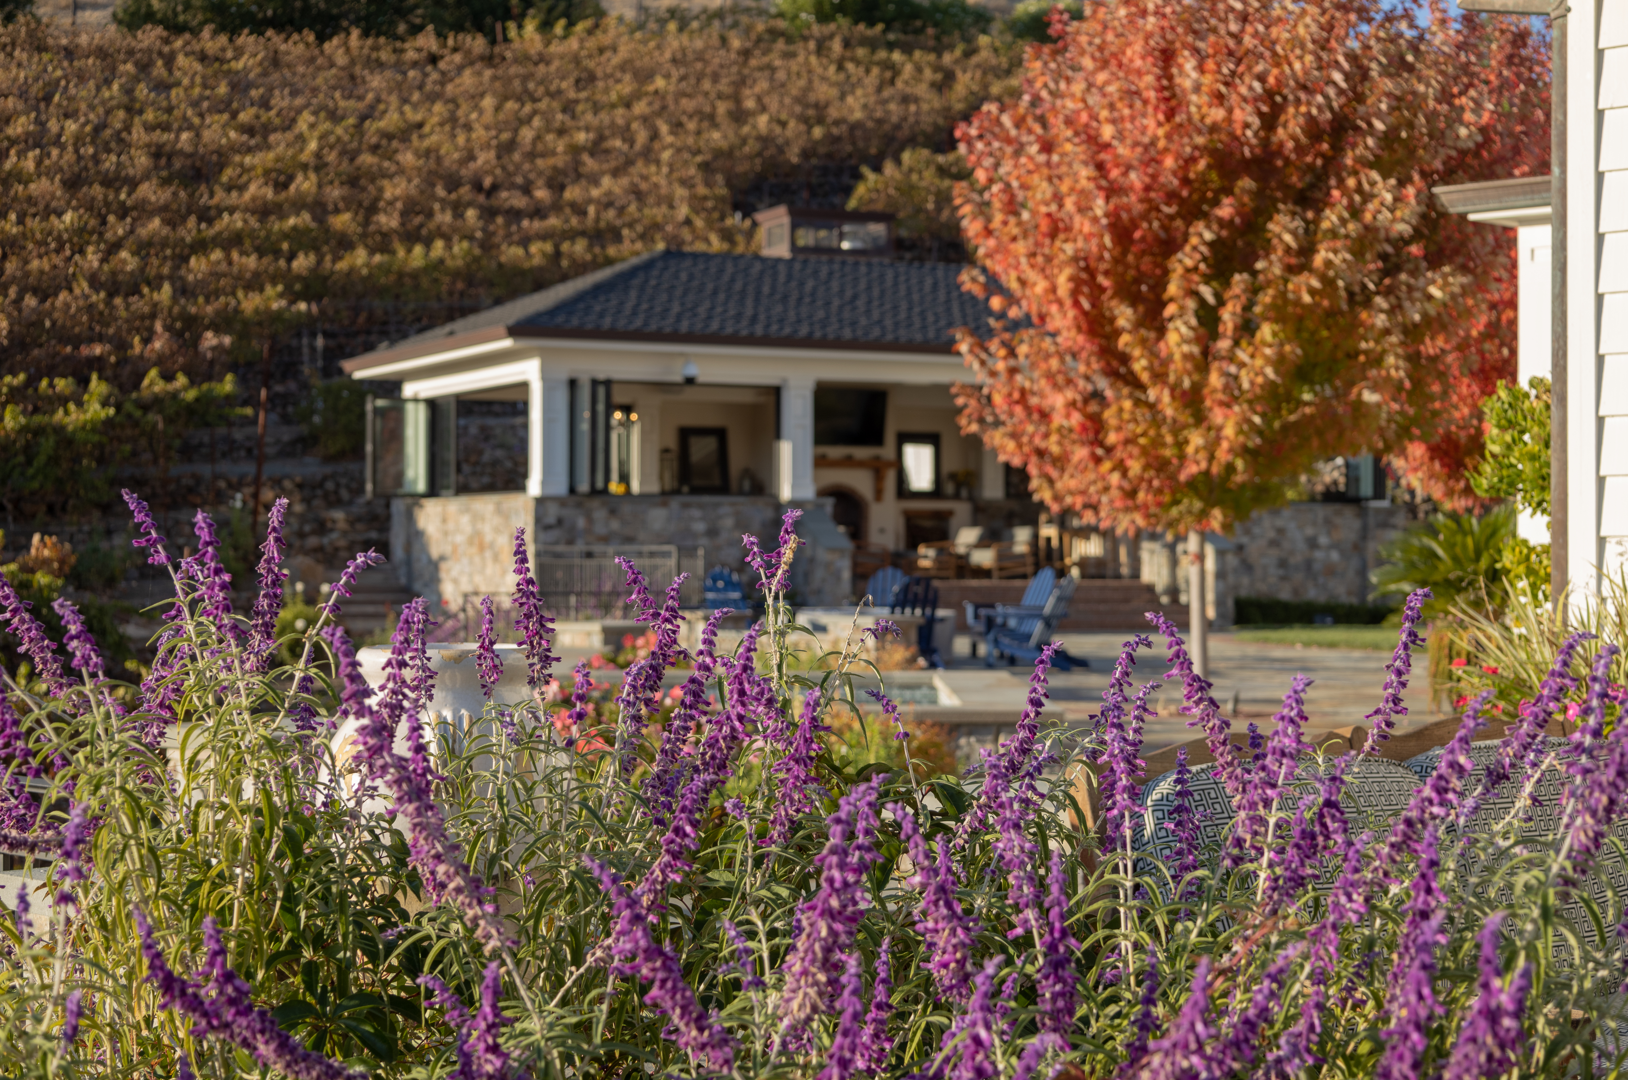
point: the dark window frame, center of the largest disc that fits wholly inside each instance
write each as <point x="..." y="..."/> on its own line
<point x="937" y="442"/>
<point x="685" y="484"/>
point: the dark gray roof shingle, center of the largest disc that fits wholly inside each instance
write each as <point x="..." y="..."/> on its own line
<point x="693" y="295"/>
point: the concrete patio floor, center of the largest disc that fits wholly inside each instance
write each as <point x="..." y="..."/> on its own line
<point x="1346" y="683"/>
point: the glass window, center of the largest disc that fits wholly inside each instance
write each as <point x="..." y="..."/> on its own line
<point x="918" y="464"/>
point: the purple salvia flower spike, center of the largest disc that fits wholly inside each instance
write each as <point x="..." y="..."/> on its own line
<point x="1272" y="776"/>
<point x="229" y="1014"/>
<point x="1492" y="1040"/>
<point x="1523" y="741"/>
<point x="480" y="1055"/>
<point x="968" y="1048"/>
<point x="83" y="652"/>
<point x="18" y="807"/>
<point x="1034" y="1055"/>
<point x="530" y="619"/>
<point x="874" y="1046"/>
<point x="268" y="602"/>
<point x="32" y="638"/>
<point x="842" y="1060"/>
<point x="1410" y="1001"/>
<point x="1383" y="719"/>
<point x="488" y="666"/>
<point x="1234" y="1052"/>
<point x="1198" y="703"/>
<point x="71" y="1010"/>
<point x="1184" y="821"/>
<point x="215" y="584"/>
<point x="830" y="917"/>
<point x="637" y="953"/>
<point x="798" y="789"/>
<point x="745" y="962"/>
<point x="76" y="838"/>
<point x="1147" y="1013"/>
<point x="347" y="580"/>
<point x="149" y="538"/>
<point x="1055" y="983"/>
<point x="948" y="934"/>
<point x="1438" y="798"/>
<point x="1184" y="1052"/>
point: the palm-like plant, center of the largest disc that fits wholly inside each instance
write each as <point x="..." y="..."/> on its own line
<point x="1453" y="555"/>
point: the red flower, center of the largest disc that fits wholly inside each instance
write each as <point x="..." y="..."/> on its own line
<point x="1459" y="661"/>
<point x="1490" y="669"/>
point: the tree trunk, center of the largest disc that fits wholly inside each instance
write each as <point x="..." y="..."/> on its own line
<point x="1198" y="633"/>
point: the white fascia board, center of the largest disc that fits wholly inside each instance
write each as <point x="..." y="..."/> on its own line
<point x="472" y="380"/>
<point x="737" y="365"/>
<point x="401" y="369"/>
<point x="1513" y="219"/>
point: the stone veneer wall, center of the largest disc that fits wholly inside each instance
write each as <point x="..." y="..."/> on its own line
<point x="447" y="548"/>
<point x="1312" y="550"/>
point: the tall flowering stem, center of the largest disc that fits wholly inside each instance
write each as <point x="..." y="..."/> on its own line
<point x="268" y="602"/>
<point x="530" y="619"/>
<point x="1382" y="720"/>
<point x="949" y="935"/>
<point x="798" y="786"/>
<point x="641" y="686"/>
<point x="638" y="954"/>
<point x="30" y="634"/>
<point x="1199" y="704"/>
<point x="1410" y="1003"/>
<point x="488" y="665"/>
<point x="874" y="1045"/>
<point x="828" y="920"/>
<point x="1493" y="1037"/>
<point x="480" y="1055"/>
<point x="149" y="537"/>
<point x="222" y="1008"/>
<point x="1056" y="982"/>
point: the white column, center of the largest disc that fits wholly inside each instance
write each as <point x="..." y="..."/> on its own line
<point x="794" y="450"/>
<point x="1534" y="319"/>
<point x="991" y="476"/>
<point x="554" y="441"/>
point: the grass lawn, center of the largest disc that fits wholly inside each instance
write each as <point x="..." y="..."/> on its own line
<point x="1321" y="637"/>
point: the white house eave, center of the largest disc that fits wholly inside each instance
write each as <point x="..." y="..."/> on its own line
<point x="1516" y="218"/>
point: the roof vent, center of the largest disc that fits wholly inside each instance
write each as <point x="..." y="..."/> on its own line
<point x="805" y="232"/>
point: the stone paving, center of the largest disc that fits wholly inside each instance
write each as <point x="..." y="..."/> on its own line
<point x="1250" y="680"/>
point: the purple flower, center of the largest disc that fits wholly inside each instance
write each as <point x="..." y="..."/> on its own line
<point x="1594" y="798"/>
<point x="1410" y="1001"/>
<point x="874" y="1046"/>
<point x="667" y="774"/>
<point x="1271" y="777"/>
<point x="25" y="843"/>
<point x="1184" y="1054"/>
<point x="830" y="917"/>
<point x="70" y="1019"/>
<point x="18" y="808"/>
<point x="149" y="537"/>
<point x="1016" y="854"/>
<point x="1201" y="706"/>
<point x="1492" y="1039"/>
<point x="798" y="788"/>
<point x="878" y="629"/>
<point x="347" y="580"/>
<point x="480" y="1055"/>
<point x="76" y="837"/>
<point x="1319" y="826"/>
<point x="432" y="851"/>
<point x="32" y="638"/>
<point x="1523" y="741"/>
<point x="215" y="584"/>
<point x="83" y="653"/>
<point x="744" y="964"/>
<point x="1396" y="674"/>
<point x="1055" y="982"/>
<point x="1184" y="823"/>
<point x="536" y="628"/>
<point x="25" y="926"/>
<point x="1035" y="1053"/>
<point x="891" y="711"/>
<point x="1121" y="745"/>
<point x="268" y="602"/>
<point x="842" y="1060"/>
<point x="229" y="1013"/>
<point x="641" y="686"/>
<point x="638" y="954"/>
<point x="970" y="1041"/>
<point x="1147" y="1013"/>
<point x="1438" y="798"/>
<point x="1234" y="1052"/>
<point x="487" y="664"/>
<point x="948" y="934"/>
<point x="773" y="567"/>
<point x="582" y="684"/>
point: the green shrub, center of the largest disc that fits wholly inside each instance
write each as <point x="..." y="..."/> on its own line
<point x="1265" y="611"/>
<point x="334" y="416"/>
<point x="1453" y="555"/>
<point x="1031" y="20"/>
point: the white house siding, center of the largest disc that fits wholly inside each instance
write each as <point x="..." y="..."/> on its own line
<point x="1597" y="287"/>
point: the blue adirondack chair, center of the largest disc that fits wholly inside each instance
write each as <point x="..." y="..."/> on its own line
<point x="980" y="616"/>
<point x="883" y="584"/>
<point x="722" y="589"/>
<point x="1019" y="637"/>
<point x="919" y="596"/>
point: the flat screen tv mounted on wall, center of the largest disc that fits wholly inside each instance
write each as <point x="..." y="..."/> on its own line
<point x="848" y="417"/>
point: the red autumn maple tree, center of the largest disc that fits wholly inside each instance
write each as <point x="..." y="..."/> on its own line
<point x="1218" y="259"/>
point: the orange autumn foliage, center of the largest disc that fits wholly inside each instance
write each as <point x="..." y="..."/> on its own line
<point x="1208" y="235"/>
